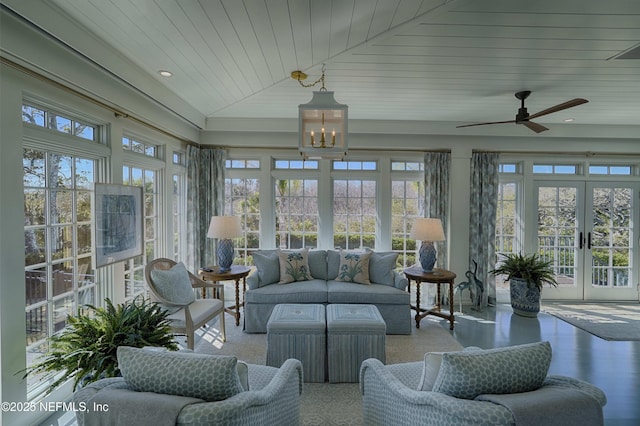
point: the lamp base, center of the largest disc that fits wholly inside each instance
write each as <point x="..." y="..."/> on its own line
<point x="226" y="253"/>
<point x="427" y="256"/>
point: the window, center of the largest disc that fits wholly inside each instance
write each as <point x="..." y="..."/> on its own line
<point x="296" y="164"/>
<point x="178" y="201"/>
<point x="242" y="198"/>
<point x="59" y="277"/>
<point x="42" y="117"/>
<point x="354" y="213"/>
<point x="133" y="145"/>
<point x="242" y="164"/>
<point x="296" y="213"/>
<point x="134" y="268"/>
<point x="610" y="170"/>
<point x="407" y="203"/>
<point x="555" y="169"/>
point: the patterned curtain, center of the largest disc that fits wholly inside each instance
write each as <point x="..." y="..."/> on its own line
<point x="482" y="220"/>
<point x="205" y="198"/>
<point x="436" y="203"/>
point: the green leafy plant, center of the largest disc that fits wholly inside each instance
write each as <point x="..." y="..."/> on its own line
<point x="528" y="267"/>
<point x="86" y="348"/>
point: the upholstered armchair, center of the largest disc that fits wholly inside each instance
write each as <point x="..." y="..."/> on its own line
<point x="503" y="386"/>
<point x="172" y="286"/>
<point x="186" y="388"/>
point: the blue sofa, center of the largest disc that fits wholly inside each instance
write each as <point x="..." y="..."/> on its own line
<point x="387" y="291"/>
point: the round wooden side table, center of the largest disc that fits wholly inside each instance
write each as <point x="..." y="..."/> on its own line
<point x="236" y="273"/>
<point x="438" y="277"/>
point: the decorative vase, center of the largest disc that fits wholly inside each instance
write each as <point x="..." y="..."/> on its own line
<point x="525" y="299"/>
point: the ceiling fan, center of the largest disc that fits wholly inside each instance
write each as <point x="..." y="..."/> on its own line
<point x="523" y="116"/>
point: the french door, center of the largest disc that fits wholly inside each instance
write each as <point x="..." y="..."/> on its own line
<point x="590" y="231"/>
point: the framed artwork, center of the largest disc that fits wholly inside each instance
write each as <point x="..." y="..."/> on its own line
<point x="117" y="223"/>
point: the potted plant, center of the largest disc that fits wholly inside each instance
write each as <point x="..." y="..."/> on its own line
<point x="86" y="348"/>
<point x="526" y="273"/>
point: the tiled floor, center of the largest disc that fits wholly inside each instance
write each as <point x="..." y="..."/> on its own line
<point x="612" y="366"/>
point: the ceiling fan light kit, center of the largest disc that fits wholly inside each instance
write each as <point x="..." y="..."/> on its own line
<point x="523" y="117"/>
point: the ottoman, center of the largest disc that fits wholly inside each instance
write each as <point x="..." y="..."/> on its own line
<point x="298" y="331"/>
<point x="354" y="333"/>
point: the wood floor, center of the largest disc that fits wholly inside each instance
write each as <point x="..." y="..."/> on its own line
<point x="612" y="366"/>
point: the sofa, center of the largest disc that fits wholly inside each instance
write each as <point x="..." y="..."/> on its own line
<point x="502" y="386"/>
<point x="325" y="277"/>
<point x="184" y="388"/>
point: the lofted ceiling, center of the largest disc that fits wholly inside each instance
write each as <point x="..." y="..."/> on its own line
<point x="458" y="61"/>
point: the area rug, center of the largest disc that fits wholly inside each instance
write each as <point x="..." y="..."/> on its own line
<point x="609" y="321"/>
<point x="325" y="404"/>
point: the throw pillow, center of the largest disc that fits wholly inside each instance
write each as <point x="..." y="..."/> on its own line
<point x="174" y="286"/>
<point x="381" y="267"/>
<point x="430" y="370"/>
<point x="267" y="266"/>
<point x="513" y="369"/>
<point x="354" y="267"/>
<point x="208" y="377"/>
<point x="294" y="266"/>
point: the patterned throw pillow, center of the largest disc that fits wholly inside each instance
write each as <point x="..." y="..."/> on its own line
<point x="354" y="267"/>
<point x="512" y="369"/>
<point x="208" y="377"/>
<point x="294" y="265"/>
<point x="174" y="285"/>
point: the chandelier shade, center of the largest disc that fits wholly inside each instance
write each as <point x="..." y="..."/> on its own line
<point x="322" y="127"/>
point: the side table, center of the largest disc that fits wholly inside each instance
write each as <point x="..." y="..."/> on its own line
<point x="237" y="273"/>
<point x="437" y="276"/>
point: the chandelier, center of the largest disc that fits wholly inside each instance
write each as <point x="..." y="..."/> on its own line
<point x="322" y="123"/>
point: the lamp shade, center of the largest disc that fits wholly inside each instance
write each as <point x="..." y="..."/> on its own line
<point x="224" y="227"/>
<point x="427" y="229"/>
<point x="322" y="127"/>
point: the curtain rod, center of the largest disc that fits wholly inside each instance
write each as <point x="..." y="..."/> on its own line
<point x="116" y="112"/>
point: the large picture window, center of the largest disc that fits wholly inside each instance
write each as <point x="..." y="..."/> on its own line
<point x="59" y="277"/>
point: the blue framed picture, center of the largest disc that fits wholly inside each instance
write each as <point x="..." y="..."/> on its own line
<point x="117" y="223"/>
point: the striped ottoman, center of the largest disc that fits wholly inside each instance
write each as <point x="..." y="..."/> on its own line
<point x="354" y="333"/>
<point x="298" y="331"/>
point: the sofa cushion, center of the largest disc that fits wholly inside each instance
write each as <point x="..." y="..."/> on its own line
<point x="333" y="264"/>
<point x="318" y="264"/>
<point x="294" y="265"/>
<point x="381" y="267"/>
<point x="354" y="267"/>
<point x="467" y="374"/>
<point x="208" y="377"/>
<point x="267" y="267"/>
<point x="174" y="285"/>
<point x="312" y="291"/>
<point x="375" y="294"/>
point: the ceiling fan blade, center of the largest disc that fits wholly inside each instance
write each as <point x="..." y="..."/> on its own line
<point x="484" y="124"/>
<point x="538" y="128"/>
<point x="559" y="107"/>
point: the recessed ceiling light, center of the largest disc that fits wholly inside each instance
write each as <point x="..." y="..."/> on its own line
<point x="568" y="120"/>
<point x="165" y="73"/>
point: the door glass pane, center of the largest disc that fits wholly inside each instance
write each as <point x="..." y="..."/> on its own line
<point x="558" y="231"/>
<point x="611" y="237"/>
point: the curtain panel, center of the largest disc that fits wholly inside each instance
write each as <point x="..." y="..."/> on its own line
<point x="482" y="220"/>
<point x="437" y="166"/>
<point x="205" y="198"/>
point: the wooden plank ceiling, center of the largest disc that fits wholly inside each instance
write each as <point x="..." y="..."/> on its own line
<point x="431" y="60"/>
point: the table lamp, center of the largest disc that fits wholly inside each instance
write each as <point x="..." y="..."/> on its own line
<point x="224" y="228"/>
<point x="427" y="230"/>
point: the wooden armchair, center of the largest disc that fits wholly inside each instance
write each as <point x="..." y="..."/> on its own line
<point x="186" y="317"/>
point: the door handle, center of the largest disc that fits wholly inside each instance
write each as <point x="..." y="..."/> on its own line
<point x="581" y="241"/>
<point x="589" y="240"/>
